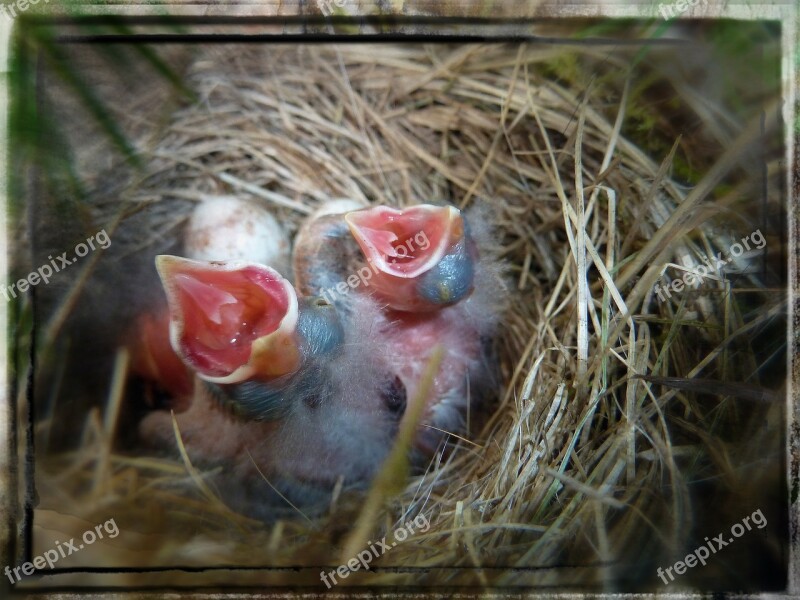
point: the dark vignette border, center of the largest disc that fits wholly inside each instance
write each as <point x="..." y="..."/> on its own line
<point x="384" y="29"/>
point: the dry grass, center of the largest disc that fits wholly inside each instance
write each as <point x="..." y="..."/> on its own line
<point x="583" y="469"/>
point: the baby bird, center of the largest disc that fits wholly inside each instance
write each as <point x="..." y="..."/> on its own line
<point x="277" y="396"/>
<point x="424" y="268"/>
<point x="305" y="392"/>
<point x="219" y="228"/>
<point x="256" y="372"/>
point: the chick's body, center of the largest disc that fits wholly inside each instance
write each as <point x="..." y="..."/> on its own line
<point x="326" y="254"/>
<point x="333" y="418"/>
<point x="336" y="425"/>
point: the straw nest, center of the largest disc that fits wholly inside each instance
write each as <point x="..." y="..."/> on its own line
<point x="580" y="473"/>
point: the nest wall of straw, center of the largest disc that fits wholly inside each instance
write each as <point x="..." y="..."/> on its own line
<point x="581" y="468"/>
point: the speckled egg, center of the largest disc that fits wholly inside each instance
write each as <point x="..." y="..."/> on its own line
<point x="228" y="228"/>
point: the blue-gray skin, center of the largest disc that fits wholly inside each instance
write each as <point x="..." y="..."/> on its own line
<point x="320" y="334"/>
<point x="325" y="255"/>
<point x="452" y="279"/>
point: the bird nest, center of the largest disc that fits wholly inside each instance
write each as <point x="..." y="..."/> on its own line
<point x="616" y="396"/>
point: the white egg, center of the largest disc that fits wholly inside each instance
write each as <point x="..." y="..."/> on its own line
<point x="228" y="228"/>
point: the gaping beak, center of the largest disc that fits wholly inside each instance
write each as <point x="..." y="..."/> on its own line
<point x="231" y="321"/>
<point x="422" y="256"/>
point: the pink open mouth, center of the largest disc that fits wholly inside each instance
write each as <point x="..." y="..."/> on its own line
<point x="230" y="321"/>
<point x="391" y="238"/>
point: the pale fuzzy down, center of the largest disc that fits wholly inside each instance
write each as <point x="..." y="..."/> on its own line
<point x="336" y="427"/>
